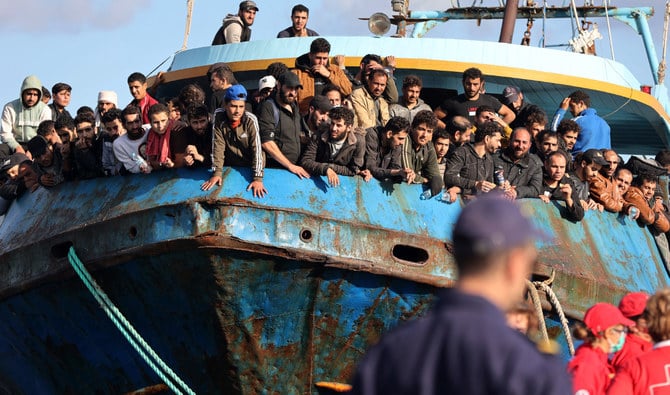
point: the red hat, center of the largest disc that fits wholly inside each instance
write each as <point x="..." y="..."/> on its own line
<point x="633" y="304"/>
<point x="604" y="315"/>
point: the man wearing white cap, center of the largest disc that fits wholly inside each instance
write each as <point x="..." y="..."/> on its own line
<point x="235" y="27"/>
<point x="265" y="87"/>
<point x="106" y="101"/>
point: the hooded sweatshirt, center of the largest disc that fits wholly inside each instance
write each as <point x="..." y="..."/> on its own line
<point x="19" y="123"/>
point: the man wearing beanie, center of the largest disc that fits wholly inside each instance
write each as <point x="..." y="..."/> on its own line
<point x="106" y="101"/>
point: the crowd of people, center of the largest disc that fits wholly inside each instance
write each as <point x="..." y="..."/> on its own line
<point x="316" y="118"/>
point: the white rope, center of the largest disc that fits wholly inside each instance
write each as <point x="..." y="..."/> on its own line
<point x="574" y="10"/>
<point x="609" y="28"/>
<point x="666" y="21"/>
<point x="187" y="28"/>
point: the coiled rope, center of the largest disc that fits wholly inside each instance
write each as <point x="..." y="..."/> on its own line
<point x="556" y="304"/>
<point x="127" y="330"/>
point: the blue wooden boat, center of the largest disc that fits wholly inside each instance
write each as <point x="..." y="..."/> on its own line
<point x="240" y="295"/>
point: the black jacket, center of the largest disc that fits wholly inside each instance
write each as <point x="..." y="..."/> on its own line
<point x="525" y="175"/>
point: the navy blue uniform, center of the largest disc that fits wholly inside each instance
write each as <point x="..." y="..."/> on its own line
<point x="462" y="346"/>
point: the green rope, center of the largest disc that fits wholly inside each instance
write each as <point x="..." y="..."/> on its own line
<point x="127" y="330"/>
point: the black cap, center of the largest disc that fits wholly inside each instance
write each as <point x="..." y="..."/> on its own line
<point x="290" y="79"/>
<point x="321" y="103"/>
<point x="15" y="159"/>
<point x="248" y="5"/>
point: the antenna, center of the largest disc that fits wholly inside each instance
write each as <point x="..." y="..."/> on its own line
<point x="379" y="24"/>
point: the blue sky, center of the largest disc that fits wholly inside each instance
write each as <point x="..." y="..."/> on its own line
<point x="95" y="44"/>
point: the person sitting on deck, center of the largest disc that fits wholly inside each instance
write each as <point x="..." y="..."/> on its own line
<point x="279" y="122"/>
<point x="87" y="152"/>
<point x="522" y="171"/>
<point x="338" y="150"/>
<point x="235" y="27"/>
<point x="236" y="141"/>
<point x="315" y="71"/>
<point x="48" y="162"/>
<point x="594" y="133"/>
<point x="192" y="145"/>
<point x="466" y="104"/>
<point x="369" y="106"/>
<point x="137" y="84"/>
<point x="557" y="185"/>
<point x="130" y="148"/>
<point x="410" y="103"/>
<point x="298" y="28"/>
<point x="113" y="124"/>
<point x="383" y="150"/>
<point x="650" y="209"/>
<point x="470" y="168"/>
<point x="419" y="154"/>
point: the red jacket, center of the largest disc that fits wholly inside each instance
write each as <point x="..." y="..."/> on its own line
<point x="648" y="374"/>
<point x="144" y="105"/>
<point x="590" y="370"/>
<point x="633" y="347"/>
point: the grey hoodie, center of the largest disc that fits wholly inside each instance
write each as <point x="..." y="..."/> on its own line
<point x="19" y="123"/>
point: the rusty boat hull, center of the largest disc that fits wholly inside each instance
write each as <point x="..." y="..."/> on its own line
<point x="244" y="295"/>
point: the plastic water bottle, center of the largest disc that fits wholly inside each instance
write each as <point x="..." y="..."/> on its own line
<point x="141" y="163"/>
<point x="633" y="212"/>
<point x="444" y="197"/>
<point x="499" y="176"/>
<point x="425" y="195"/>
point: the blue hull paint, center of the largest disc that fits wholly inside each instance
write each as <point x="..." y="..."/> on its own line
<point x="225" y="321"/>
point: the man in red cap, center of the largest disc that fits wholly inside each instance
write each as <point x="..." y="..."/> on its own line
<point x="638" y="341"/>
<point x="603" y="333"/>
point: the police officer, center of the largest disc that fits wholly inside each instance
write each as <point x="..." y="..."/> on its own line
<point x="463" y="345"/>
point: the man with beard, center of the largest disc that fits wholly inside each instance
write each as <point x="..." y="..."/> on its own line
<point x="279" y="121"/>
<point x="137" y="84"/>
<point x="338" y="150"/>
<point x="235" y="27"/>
<point x="461" y="129"/>
<point x="236" y="141"/>
<point x="568" y="130"/>
<point x="130" y="148"/>
<point x="466" y="104"/>
<point x="522" y="170"/>
<point x="419" y="154"/>
<point x="316" y="116"/>
<point x="113" y="124"/>
<point x="314" y="72"/>
<point x="383" y="150"/>
<point x="192" y="146"/>
<point x="471" y="166"/>
<point x="556" y="185"/>
<point x="298" y="28"/>
<point x="410" y="103"/>
<point x="220" y="77"/>
<point x="546" y="142"/>
<point x="370" y="108"/>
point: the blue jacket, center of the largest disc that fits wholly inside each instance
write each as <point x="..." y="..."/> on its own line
<point x="462" y="346"/>
<point x="595" y="131"/>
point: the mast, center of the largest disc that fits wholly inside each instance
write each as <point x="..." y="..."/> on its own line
<point x="187" y="29"/>
<point x="507" y="29"/>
